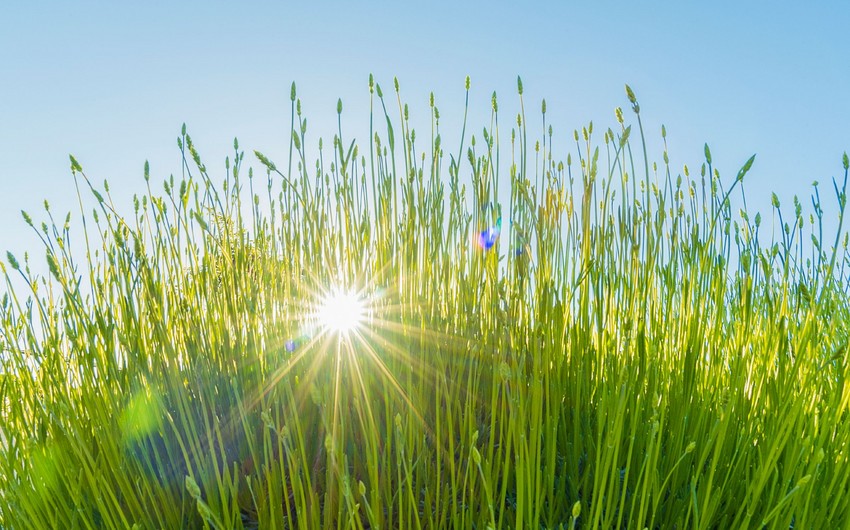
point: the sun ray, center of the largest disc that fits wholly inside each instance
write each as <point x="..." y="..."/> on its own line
<point x="394" y="383"/>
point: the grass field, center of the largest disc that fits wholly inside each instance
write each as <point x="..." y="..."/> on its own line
<point x="371" y="336"/>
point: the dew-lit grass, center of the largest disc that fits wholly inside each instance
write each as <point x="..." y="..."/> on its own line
<point x="382" y="339"/>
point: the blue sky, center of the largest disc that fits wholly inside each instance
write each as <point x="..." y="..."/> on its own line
<point x="113" y="82"/>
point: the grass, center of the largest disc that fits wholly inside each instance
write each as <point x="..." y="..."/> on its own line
<point x="610" y="346"/>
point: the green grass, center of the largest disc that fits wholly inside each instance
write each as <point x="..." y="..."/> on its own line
<point x="634" y="352"/>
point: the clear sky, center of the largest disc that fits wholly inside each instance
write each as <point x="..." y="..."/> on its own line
<point x="112" y="82"/>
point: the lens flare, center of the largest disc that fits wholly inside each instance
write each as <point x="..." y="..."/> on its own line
<point x="487" y="239"/>
<point x="293" y="344"/>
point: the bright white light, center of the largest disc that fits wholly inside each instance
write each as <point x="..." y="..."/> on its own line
<point x="341" y="311"/>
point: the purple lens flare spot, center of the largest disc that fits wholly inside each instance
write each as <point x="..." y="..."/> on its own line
<point x="487" y="238"/>
<point x="293" y="344"/>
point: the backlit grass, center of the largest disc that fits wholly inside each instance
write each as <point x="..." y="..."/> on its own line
<point x="392" y="333"/>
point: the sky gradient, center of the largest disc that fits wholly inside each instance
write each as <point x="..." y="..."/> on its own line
<point x="112" y="84"/>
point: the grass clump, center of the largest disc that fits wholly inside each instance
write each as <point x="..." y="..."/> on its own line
<point x="604" y="347"/>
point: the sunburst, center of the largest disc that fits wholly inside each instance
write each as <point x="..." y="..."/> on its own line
<point x="341" y="310"/>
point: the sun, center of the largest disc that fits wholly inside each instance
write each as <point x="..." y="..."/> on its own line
<point x="341" y="311"/>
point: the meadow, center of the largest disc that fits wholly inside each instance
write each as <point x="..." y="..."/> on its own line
<point x="394" y="333"/>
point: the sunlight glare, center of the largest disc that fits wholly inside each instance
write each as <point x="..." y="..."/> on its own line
<point x="341" y="311"/>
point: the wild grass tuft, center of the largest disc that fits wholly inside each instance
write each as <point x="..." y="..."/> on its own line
<point x="611" y="345"/>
